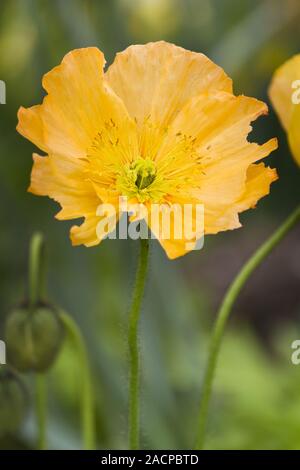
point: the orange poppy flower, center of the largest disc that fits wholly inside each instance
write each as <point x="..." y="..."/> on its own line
<point x="161" y="125"/>
<point x="285" y="95"/>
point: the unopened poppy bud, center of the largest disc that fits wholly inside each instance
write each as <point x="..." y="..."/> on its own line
<point x="33" y="338"/>
<point x="13" y="401"/>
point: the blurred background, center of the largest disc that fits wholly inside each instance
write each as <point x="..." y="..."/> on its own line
<point x="256" y="401"/>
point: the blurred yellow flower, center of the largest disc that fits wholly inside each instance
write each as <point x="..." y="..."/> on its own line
<point x="285" y="95"/>
<point x="161" y="125"/>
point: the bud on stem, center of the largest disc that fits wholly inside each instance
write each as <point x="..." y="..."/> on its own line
<point x="13" y="401"/>
<point x="33" y="337"/>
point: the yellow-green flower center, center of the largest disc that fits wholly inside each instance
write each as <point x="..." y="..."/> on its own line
<point x="143" y="172"/>
<point x="139" y="179"/>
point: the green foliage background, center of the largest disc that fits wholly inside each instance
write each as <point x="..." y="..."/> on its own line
<point x="256" y="402"/>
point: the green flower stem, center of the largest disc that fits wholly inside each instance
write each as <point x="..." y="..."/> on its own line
<point x="133" y="343"/>
<point x="36" y="285"/>
<point x="87" y="403"/>
<point x="224" y="313"/>
<point x="41" y="410"/>
<point x="36" y="269"/>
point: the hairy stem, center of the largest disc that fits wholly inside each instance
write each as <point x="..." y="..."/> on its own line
<point x="133" y="343"/>
<point x="232" y="293"/>
<point x="36" y="285"/>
